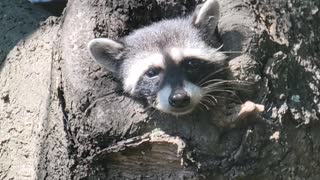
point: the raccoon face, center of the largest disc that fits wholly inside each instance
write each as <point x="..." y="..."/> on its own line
<point x="167" y="63"/>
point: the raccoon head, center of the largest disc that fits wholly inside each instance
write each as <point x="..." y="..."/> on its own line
<point x="167" y="63"/>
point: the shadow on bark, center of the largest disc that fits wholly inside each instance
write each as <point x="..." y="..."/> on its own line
<point x="18" y="19"/>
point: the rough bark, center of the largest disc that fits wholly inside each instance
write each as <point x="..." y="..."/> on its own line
<point x="64" y="117"/>
<point x="25" y="80"/>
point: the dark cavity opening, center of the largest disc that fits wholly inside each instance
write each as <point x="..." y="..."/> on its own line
<point x="55" y="7"/>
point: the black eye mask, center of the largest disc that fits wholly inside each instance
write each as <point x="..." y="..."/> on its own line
<point x="196" y="69"/>
<point x="148" y="86"/>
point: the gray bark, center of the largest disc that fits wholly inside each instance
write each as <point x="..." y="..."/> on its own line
<point x="62" y="116"/>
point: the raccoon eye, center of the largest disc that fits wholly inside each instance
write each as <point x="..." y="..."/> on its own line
<point x="152" y="72"/>
<point x="191" y="65"/>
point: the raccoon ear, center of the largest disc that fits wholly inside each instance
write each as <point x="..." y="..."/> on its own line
<point x="207" y="15"/>
<point x="106" y="52"/>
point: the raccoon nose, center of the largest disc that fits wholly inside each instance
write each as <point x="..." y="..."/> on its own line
<point x="179" y="99"/>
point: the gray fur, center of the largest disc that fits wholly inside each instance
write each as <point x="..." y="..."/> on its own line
<point x="106" y="52"/>
<point x="159" y="38"/>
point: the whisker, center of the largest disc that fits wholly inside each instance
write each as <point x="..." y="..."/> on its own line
<point x="220" y="81"/>
<point x="227" y="87"/>
<point x="232" y="81"/>
<point x="211" y="74"/>
<point x="228" y="98"/>
<point x="203" y="104"/>
<point x="220" y="47"/>
<point x="208" y="101"/>
<point x="220" y="90"/>
<point x="201" y="108"/>
<point x="234" y="85"/>
<point x="211" y="81"/>
<point x="211" y="96"/>
<point x="212" y="101"/>
<point x="232" y="52"/>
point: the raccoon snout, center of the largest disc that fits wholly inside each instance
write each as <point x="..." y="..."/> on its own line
<point x="179" y="98"/>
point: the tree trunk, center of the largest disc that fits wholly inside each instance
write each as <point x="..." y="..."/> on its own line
<point x="62" y="116"/>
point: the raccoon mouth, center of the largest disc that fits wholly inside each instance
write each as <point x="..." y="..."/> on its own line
<point x="177" y="111"/>
<point x="181" y="111"/>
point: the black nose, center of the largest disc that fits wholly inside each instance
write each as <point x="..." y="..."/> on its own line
<point x="179" y="99"/>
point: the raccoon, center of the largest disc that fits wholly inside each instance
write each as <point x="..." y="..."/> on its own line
<point x="170" y="63"/>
